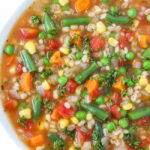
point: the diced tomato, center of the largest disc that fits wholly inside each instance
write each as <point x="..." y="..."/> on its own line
<point x="128" y="34"/>
<point x="130" y="148"/>
<point x="10" y="105"/>
<point x="19" y="68"/>
<point x="64" y="111"/>
<point x="96" y="93"/>
<point x="122" y="63"/>
<point x="97" y="43"/>
<point x="144" y="143"/>
<point x="29" y="125"/>
<point x="117" y="98"/>
<point x="53" y="45"/>
<point x="81" y="135"/>
<point x="143" y="121"/>
<point x="29" y="33"/>
<point x="143" y="19"/>
<point x="71" y="86"/>
<point x="123" y="42"/>
<point x="114" y="109"/>
<point x="47" y="94"/>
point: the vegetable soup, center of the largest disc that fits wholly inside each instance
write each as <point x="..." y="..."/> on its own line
<point x="77" y="75"/>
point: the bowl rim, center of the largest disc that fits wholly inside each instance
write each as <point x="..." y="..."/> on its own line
<point x="4" y="120"/>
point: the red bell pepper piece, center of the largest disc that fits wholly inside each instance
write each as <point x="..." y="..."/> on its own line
<point x="71" y="86"/>
<point x="81" y="135"/>
<point x="64" y="111"/>
<point x="29" y="33"/>
<point x="53" y="45"/>
<point x="114" y="109"/>
<point x="19" y="68"/>
<point x="117" y="98"/>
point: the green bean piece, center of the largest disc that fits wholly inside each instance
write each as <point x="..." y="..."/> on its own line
<point x="37" y="106"/>
<point x="97" y="136"/>
<point x="81" y="77"/>
<point x="28" y="61"/>
<point x="118" y="20"/>
<point x="75" y="21"/>
<point x="101" y="114"/>
<point x="50" y="25"/>
<point x="140" y="113"/>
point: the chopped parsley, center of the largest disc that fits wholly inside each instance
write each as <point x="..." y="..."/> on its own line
<point x="70" y="133"/>
<point x="36" y="20"/>
<point x="131" y="138"/>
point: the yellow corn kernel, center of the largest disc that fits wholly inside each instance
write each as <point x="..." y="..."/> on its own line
<point x="60" y="72"/>
<point x="45" y="85"/>
<point x="112" y="41"/>
<point x="135" y="23"/>
<point x="107" y="99"/>
<point x="63" y="2"/>
<point x="100" y="27"/>
<point x="74" y="120"/>
<point x="26" y="113"/>
<point x="12" y="70"/>
<point x="41" y="125"/>
<point x="89" y="116"/>
<point x="78" y="90"/>
<point x="64" y="50"/>
<point x="63" y="123"/>
<point x="72" y="147"/>
<point x="127" y="106"/>
<point x="147" y="88"/>
<point x="30" y="46"/>
<point x="143" y="81"/>
<point x="67" y="61"/>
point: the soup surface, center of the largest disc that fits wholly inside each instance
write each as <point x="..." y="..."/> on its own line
<point x="75" y="75"/>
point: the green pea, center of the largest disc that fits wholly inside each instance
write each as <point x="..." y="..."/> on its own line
<point x="50" y="36"/>
<point x="81" y="115"/>
<point x="105" y="61"/>
<point x="148" y="17"/>
<point x="111" y="126"/>
<point x="42" y="35"/>
<point x="123" y="112"/>
<point x="122" y="70"/>
<point x="62" y="80"/>
<point x="105" y="1"/>
<point x="132" y="13"/>
<point x="138" y="71"/>
<point x="100" y="100"/>
<point x="130" y="56"/>
<point x="146" y="64"/>
<point x="9" y="49"/>
<point x="124" y="122"/>
<point x="46" y="61"/>
<point x="79" y="55"/>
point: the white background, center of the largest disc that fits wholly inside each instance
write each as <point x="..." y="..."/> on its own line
<point x="7" y="8"/>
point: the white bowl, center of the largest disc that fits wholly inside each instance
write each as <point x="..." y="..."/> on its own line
<point x="4" y="120"/>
